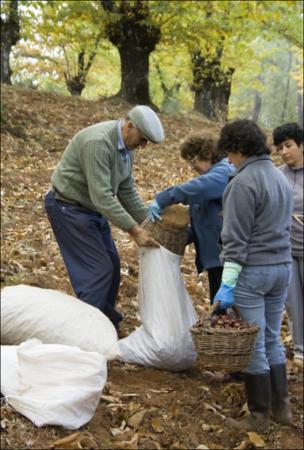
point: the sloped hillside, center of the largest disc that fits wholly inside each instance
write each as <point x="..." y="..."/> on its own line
<point x="182" y="411"/>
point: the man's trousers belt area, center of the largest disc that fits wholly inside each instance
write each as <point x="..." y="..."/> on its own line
<point x="59" y="196"/>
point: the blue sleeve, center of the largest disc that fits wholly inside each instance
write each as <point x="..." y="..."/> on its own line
<point x="205" y="187"/>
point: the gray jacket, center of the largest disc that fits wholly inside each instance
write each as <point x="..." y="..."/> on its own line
<point x="257" y="210"/>
<point x="295" y="180"/>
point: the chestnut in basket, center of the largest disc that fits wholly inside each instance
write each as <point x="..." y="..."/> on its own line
<point x="228" y="321"/>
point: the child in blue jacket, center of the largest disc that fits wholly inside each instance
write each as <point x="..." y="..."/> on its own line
<point x="203" y="194"/>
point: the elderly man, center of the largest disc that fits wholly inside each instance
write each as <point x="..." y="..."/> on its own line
<point x="91" y="185"/>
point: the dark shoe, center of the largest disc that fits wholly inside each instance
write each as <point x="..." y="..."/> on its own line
<point x="258" y="399"/>
<point x="280" y="406"/>
<point x="237" y="376"/>
<point x="254" y="422"/>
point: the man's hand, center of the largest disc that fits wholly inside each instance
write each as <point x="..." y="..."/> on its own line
<point x="142" y="237"/>
<point x="224" y="296"/>
<point x="154" y="211"/>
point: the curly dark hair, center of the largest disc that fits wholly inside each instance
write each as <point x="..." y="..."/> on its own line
<point x="287" y="131"/>
<point x="201" y="146"/>
<point x="244" y="136"/>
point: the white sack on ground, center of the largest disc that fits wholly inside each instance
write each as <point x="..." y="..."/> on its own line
<point x="55" y="318"/>
<point x="9" y="369"/>
<point x="167" y="314"/>
<point x="52" y="384"/>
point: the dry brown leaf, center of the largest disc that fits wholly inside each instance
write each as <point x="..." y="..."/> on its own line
<point x="256" y="439"/>
<point x="129" y="395"/>
<point x="206" y="427"/>
<point x="161" y="391"/>
<point x="242" y="446"/>
<point x="121" y="429"/>
<point x="178" y="446"/>
<point x="137" y="419"/>
<point x="3" y="424"/>
<point x="212" y="408"/>
<point x="133" y="407"/>
<point x="75" y="440"/>
<point x="287" y="339"/>
<point x="176" y="411"/>
<point x="204" y="388"/>
<point x="209" y="407"/>
<point x="116" y="431"/>
<point x="148" y="443"/>
<point x="30" y="255"/>
<point x="110" y="399"/>
<point x="132" y="444"/>
<point x="157" y="425"/>
<point x="244" y="410"/>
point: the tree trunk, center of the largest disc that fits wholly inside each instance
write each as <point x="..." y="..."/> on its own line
<point x="75" y="85"/>
<point x="5" y="65"/>
<point x="300" y="108"/>
<point x="287" y="88"/>
<point x="257" y="106"/>
<point x="10" y="35"/>
<point x="211" y="86"/>
<point x="77" y="82"/>
<point x="135" y="38"/>
<point x="134" y="75"/>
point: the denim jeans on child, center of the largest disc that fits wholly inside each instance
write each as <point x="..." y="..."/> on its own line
<point x="260" y="295"/>
<point x="89" y="253"/>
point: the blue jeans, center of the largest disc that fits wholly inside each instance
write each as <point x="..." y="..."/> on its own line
<point x="89" y="253"/>
<point x="295" y="303"/>
<point x="260" y="295"/>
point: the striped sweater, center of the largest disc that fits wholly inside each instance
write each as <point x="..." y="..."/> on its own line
<point x="96" y="174"/>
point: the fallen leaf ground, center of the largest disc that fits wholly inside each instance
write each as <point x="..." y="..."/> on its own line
<point x="140" y="408"/>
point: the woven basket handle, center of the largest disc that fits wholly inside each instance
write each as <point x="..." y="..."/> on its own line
<point x="145" y="222"/>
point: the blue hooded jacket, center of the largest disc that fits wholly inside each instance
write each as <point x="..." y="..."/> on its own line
<point x="203" y="194"/>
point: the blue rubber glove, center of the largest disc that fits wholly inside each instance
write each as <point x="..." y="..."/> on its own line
<point x="154" y="211"/>
<point x="225" y="296"/>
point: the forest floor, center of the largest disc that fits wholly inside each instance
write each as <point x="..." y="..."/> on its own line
<point x="179" y="410"/>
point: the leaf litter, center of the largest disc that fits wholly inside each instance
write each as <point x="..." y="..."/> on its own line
<point x="139" y="407"/>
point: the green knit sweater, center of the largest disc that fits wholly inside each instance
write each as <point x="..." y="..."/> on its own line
<point x="93" y="173"/>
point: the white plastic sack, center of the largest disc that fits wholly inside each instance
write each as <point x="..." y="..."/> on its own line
<point x="164" y="338"/>
<point x="9" y="369"/>
<point x="52" y="384"/>
<point x="55" y="318"/>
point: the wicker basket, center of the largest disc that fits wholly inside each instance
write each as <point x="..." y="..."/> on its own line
<point x="171" y="232"/>
<point x="228" y="349"/>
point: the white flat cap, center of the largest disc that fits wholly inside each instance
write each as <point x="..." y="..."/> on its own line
<point x="147" y="122"/>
